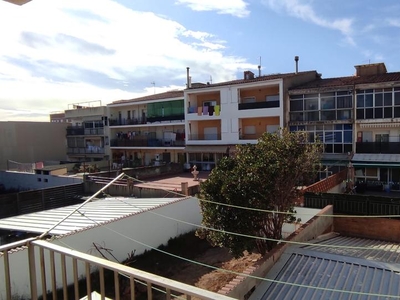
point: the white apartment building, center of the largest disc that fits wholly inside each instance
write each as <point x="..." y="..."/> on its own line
<point x="221" y="115"/>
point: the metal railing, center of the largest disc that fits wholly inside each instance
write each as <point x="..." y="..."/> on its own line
<point x="46" y="260"/>
<point x="83" y="150"/>
<point x="378" y="147"/>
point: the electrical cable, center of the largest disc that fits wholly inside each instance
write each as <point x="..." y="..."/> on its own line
<point x="264" y="210"/>
<point x="242" y="274"/>
<point x="278" y="241"/>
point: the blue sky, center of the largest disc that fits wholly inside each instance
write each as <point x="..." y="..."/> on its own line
<point x="57" y="52"/>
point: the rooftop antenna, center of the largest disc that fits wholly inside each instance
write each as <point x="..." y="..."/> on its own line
<point x="259" y="68"/>
<point x="210" y="79"/>
<point x="154" y="86"/>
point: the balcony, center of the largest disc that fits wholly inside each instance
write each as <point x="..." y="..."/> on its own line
<point x="205" y="110"/>
<point x="146" y="142"/>
<point x="123" y="121"/>
<point x="80" y="130"/>
<point x="45" y="260"/>
<point x="378" y="147"/>
<point x="258" y="105"/>
<point x="84" y="151"/>
<point x="153" y="119"/>
<point x="205" y="137"/>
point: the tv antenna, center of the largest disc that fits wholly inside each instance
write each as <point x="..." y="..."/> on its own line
<point x="154" y="86"/>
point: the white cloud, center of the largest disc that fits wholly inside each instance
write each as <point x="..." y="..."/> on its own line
<point x="394" y="22"/>
<point x="304" y="11"/>
<point x="237" y="8"/>
<point x="56" y="52"/>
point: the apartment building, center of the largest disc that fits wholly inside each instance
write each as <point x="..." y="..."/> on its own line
<point x="221" y="115"/>
<point x="87" y="137"/>
<point x="149" y="130"/>
<point x="356" y="117"/>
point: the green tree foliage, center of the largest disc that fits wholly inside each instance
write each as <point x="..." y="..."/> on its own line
<point x="263" y="176"/>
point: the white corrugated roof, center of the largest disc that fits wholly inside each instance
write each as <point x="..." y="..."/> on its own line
<point x="94" y="212"/>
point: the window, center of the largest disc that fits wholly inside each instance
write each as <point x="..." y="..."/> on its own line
<point x="272" y="98"/>
<point x="378" y="104"/>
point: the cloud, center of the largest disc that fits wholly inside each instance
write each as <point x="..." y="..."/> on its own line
<point x="237" y="8"/>
<point x="306" y="12"/>
<point x="393" y="22"/>
<point x="57" y="52"/>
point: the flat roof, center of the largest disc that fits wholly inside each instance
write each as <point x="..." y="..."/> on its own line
<point x="338" y="272"/>
<point x="92" y="214"/>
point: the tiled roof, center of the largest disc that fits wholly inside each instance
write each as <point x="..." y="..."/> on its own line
<point x="349" y="81"/>
<point x="255" y="79"/>
<point x="165" y="95"/>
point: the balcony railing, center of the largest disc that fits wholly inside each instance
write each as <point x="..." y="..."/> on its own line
<point x="50" y="259"/>
<point x="88" y="150"/>
<point x="249" y="136"/>
<point x="179" y="117"/>
<point x="146" y="142"/>
<point x="201" y="137"/>
<point x="378" y="147"/>
<point x="80" y="130"/>
<point x="123" y="121"/>
<point x="257" y="105"/>
<point x="205" y="110"/>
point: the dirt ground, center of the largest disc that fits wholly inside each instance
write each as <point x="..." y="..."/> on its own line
<point x="195" y="249"/>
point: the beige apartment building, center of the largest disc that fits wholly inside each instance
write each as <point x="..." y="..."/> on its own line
<point x="30" y="142"/>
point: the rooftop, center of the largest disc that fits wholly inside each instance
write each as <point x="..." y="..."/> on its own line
<point x="253" y="80"/>
<point x="159" y="96"/>
<point x="349" y="267"/>
<point x="347" y="82"/>
<point x="95" y="212"/>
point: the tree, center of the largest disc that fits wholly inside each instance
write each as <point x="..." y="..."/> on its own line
<point x="262" y="176"/>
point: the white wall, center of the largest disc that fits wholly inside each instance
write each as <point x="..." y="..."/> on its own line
<point x="122" y="236"/>
<point x="305" y="214"/>
<point x="230" y="114"/>
<point x="28" y="181"/>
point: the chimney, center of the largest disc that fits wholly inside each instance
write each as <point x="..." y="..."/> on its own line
<point x="248" y="75"/>
<point x="296" y="59"/>
<point x="188" y="79"/>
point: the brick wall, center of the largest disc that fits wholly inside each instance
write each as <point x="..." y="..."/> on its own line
<point x="372" y="228"/>
<point x="325" y="185"/>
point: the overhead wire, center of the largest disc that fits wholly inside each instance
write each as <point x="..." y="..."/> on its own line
<point x="278" y="241"/>
<point x="243" y="274"/>
<point x="264" y="210"/>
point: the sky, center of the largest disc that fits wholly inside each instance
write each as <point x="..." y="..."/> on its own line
<point x="54" y="53"/>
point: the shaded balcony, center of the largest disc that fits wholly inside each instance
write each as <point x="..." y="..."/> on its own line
<point x="127" y="121"/>
<point x="205" y="137"/>
<point x="378" y="147"/>
<point x="80" y="130"/>
<point x="258" y="105"/>
<point x="146" y="142"/>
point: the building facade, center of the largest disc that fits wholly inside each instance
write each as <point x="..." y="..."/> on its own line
<point x="87" y="138"/>
<point x="357" y="118"/>
<point x="148" y="130"/>
<point x="222" y="115"/>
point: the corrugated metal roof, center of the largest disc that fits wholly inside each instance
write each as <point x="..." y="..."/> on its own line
<point x="376" y="157"/>
<point x="387" y="252"/>
<point x="317" y="272"/>
<point x="98" y="211"/>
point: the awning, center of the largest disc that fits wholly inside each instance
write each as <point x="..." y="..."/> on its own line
<point x="209" y="149"/>
<point x="376" y="158"/>
<point x="380" y="125"/>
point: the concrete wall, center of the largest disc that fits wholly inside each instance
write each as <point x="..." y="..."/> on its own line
<point x="27" y="181"/>
<point x="241" y="285"/>
<point x="122" y="237"/>
<point x="29" y="142"/>
<point x="378" y="228"/>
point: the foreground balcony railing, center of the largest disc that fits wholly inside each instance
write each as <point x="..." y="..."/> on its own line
<point x="378" y="147"/>
<point x="145" y="142"/>
<point x="256" y="105"/>
<point x="46" y="260"/>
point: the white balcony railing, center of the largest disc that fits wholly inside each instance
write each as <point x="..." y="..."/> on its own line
<point x="46" y="260"/>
